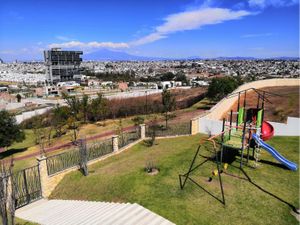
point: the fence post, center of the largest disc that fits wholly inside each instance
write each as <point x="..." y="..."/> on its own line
<point x="9" y="193"/>
<point x="194" y="126"/>
<point x="115" y="143"/>
<point x="142" y="131"/>
<point x="42" y="164"/>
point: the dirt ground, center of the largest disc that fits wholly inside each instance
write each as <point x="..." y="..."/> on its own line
<point x="284" y="103"/>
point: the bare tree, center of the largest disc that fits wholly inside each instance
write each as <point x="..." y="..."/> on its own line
<point x="169" y="104"/>
<point x="83" y="156"/>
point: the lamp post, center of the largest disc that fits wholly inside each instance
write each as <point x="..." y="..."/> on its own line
<point x="146" y="92"/>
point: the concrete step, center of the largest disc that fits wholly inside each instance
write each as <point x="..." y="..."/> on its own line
<point x="76" y="212"/>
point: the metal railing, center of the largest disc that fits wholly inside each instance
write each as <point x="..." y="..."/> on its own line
<point x="128" y="137"/>
<point x="62" y="161"/>
<point x="98" y="149"/>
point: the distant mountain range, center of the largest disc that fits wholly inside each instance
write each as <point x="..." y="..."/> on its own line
<point x="109" y="55"/>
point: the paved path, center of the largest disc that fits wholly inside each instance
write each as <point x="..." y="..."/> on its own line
<point x="69" y="212"/>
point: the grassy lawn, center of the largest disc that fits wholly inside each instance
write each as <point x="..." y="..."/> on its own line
<point x="122" y="179"/>
<point x="24" y="222"/>
<point x="19" y="221"/>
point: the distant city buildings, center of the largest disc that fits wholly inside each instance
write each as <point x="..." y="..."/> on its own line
<point x="62" y="65"/>
<point x="197" y="71"/>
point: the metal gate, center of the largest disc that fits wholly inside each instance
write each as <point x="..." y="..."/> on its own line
<point x="27" y="186"/>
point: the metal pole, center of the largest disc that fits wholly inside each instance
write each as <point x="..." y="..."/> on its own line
<point x="190" y="169"/>
<point x="222" y="140"/>
<point x="238" y="109"/>
<point x="26" y="187"/>
<point x="248" y="147"/>
<point x="243" y="143"/>
<point x="245" y="99"/>
<point x="146" y="102"/>
<point x="263" y="108"/>
<point x="230" y="125"/>
<point x="219" y="174"/>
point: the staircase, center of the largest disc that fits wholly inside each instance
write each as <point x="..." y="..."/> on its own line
<point x="69" y="212"/>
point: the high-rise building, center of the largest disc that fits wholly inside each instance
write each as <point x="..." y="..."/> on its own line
<point x="62" y="65"/>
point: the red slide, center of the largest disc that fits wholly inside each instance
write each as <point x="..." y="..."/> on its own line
<point x="267" y="131"/>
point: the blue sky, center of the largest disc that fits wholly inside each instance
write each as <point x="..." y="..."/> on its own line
<point x="168" y="28"/>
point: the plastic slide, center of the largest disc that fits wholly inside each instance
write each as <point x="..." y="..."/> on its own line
<point x="267" y="131"/>
<point x="274" y="153"/>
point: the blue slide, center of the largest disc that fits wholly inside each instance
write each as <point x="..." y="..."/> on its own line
<point x="274" y="153"/>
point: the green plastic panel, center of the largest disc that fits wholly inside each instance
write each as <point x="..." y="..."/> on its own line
<point x="259" y="118"/>
<point x="241" y="116"/>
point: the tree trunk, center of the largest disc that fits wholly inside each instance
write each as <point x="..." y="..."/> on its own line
<point x="166" y="117"/>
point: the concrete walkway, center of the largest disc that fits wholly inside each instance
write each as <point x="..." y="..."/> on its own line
<point x="69" y="212"/>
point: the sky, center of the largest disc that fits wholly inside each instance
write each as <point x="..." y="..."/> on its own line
<point x="156" y="28"/>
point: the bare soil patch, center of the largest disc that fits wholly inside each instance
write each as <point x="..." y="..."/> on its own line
<point x="279" y="107"/>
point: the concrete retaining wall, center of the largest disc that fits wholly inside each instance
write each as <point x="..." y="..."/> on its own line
<point x="26" y="115"/>
<point x="291" y="128"/>
<point x="212" y="127"/>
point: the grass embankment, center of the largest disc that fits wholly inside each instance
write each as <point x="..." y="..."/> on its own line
<point x="122" y="179"/>
<point x="284" y="103"/>
<point x="28" y="146"/>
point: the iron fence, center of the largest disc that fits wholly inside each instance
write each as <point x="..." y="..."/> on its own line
<point x="27" y="186"/>
<point x="171" y="130"/>
<point x="62" y="161"/>
<point x="128" y="137"/>
<point x="99" y="149"/>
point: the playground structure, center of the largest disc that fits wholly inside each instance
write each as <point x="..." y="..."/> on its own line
<point x="243" y="135"/>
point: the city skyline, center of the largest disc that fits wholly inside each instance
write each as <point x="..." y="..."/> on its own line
<point x="168" y="29"/>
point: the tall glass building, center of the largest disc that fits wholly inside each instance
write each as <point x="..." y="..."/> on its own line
<point x="62" y="65"/>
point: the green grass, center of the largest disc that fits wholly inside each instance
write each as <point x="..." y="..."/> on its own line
<point x="26" y="143"/>
<point x="204" y="104"/>
<point x="19" y="221"/>
<point x="24" y="222"/>
<point x="122" y="179"/>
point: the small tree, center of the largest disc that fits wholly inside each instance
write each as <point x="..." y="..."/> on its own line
<point x="74" y="104"/>
<point x="119" y="131"/>
<point x="74" y="126"/>
<point x="98" y="108"/>
<point x="220" y="87"/>
<point x="83" y="156"/>
<point x="153" y="127"/>
<point x="169" y="105"/>
<point x="59" y="119"/>
<point x="137" y="121"/>
<point x="10" y="131"/>
<point x="85" y="107"/>
<point x="19" y="97"/>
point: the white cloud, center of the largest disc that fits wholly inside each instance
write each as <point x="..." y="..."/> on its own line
<point x="63" y="38"/>
<point x="149" y="38"/>
<point x="256" y="35"/>
<point x="191" y="20"/>
<point x="274" y="3"/>
<point x="29" y="50"/>
<point x="89" y="45"/>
